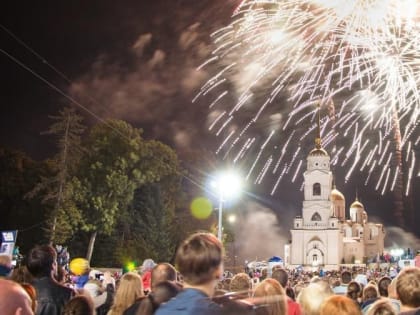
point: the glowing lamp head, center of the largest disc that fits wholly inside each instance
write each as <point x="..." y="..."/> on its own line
<point x="232" y="218"/>
<point x="227" y="185"/>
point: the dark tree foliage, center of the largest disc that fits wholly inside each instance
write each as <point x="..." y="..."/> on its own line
<point x="57" y="189"/>
<point x="19" y="174"/>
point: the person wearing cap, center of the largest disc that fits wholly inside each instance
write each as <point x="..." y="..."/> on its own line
<point x="148" y="265"/>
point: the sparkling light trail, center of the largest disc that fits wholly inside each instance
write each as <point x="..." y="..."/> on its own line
<point x="359" y="59"/>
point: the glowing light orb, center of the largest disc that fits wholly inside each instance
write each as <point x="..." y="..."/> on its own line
<point x="130" y="266"/>
<point x="201" y="208"/>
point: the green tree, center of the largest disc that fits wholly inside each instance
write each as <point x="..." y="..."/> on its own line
<point x="153" y="224"/>
<point x="149" y="229"/>
<point x="107" y="177"/>
<point x="57" y="189"/>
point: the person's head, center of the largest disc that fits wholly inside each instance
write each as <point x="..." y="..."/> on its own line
<point x="408" y="287"/>
<point x="42" y="261"/>
<point x="383" y="284"/>
<point x="240" y="283"/>
<point x="270" y="298"/>
<point x="14" y="299"/>
<point x="163" y="272"/>
<point x="281" y="276"/>
<point x="311" y="297"/>
<point x="5" y="265"/>
<point x="129" y="290"/>
<point x="148" y="264"/>
<point x="369" y="292"/>
<point x="162" y="292"/>
<point x="199" y="259"/>
<point x="382" y="307"/>
<point x="346" y="277"/>
<point x="339" y="304"/>
<point x="79" y="305"/>
<point x="354" y="290"/>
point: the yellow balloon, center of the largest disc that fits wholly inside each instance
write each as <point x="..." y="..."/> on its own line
<point x="201" y="208"/>
<point x="79" y="266"/>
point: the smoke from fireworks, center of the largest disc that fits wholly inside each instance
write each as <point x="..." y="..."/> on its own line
<point x="359" y="59"/>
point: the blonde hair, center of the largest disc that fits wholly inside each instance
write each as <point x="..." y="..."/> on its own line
<point x="311" y="297"/>
<point x="273" y="297"/>
<point x="129" y="290"/>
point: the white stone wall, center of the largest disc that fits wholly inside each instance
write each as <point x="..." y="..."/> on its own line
<point x="319" y="241"/>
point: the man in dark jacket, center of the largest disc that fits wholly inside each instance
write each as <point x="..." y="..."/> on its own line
<point x="51" y="296"/>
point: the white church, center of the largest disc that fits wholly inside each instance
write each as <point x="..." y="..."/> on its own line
<point x="323" y="236"/>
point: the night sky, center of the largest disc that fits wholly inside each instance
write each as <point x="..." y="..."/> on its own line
<point x="133" y="60"/>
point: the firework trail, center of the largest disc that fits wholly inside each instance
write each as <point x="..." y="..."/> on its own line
<point x="359" y="59"/>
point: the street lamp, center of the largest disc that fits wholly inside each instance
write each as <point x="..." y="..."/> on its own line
<point x="232" y="218"/>
<point x="227" y="185"/>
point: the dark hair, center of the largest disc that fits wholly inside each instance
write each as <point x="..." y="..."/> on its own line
<point x="198" y="257"/>
<point x="163" y="272"/>
<point x="281" y="276"/>
<point x="79" y="305"/>
<point x="353" y="290"/>
<point x="162" y="292"/>
<point x="383" y="284"/>
<point x="40" y="260"/>
<point x="345" y="277"/>
<point x="291" y="293"/>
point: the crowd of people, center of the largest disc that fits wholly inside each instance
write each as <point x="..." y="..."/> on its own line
<point x="197" y="286"/>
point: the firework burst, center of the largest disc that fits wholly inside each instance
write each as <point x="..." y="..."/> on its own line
<point x="358" y="59"/>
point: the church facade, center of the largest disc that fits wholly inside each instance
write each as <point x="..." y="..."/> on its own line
<point x="322" y="236"/>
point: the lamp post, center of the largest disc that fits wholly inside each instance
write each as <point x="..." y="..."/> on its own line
<point x="232" y="219"/>
<point x="227" y="185"/>
<point x="219" y="225"/>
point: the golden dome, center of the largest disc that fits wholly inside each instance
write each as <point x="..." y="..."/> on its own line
<point x="336" y="195"/>
<point x="318" y="152"/>
<point x="357" y="204"/>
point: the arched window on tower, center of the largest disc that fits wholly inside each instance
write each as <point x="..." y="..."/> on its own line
<point x="316" y="189"/>
<point x="316" y="217"/>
